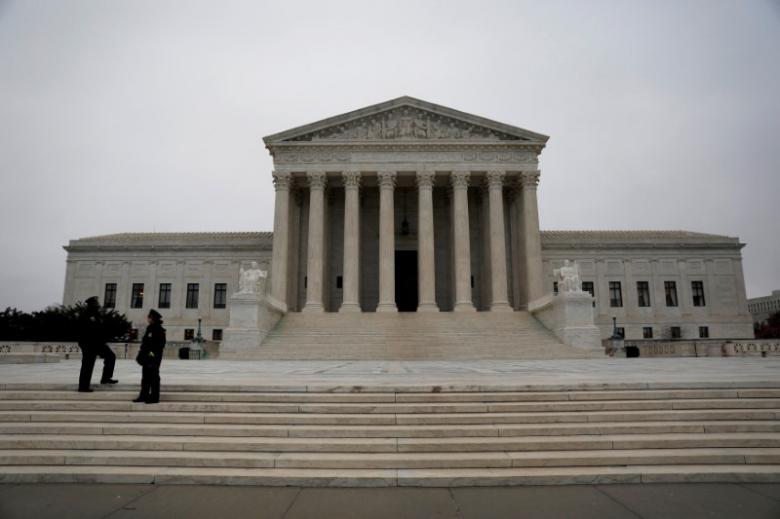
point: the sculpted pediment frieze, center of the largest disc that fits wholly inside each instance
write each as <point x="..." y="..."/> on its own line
<point x="405" y="123"/>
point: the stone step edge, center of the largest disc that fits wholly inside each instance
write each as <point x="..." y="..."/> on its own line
<point x="555" y="429"/>
<point x="392" y="460"/>
<point x="391" y="477"/>
<point x="394" y="387"/>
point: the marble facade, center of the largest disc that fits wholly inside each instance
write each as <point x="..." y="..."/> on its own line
<point x="411" y="206"/>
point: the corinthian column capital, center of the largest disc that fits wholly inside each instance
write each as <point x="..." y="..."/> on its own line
<point x="529" y="179"/>
<point x="282" y="180"/>
<point x="425" y="179"/>
<point x="317" y="179"/>
<point x="460" y="179"/>
<point x="495" y="179"/>
<point x="351" y="179"/>
<point x="387" y="179"/>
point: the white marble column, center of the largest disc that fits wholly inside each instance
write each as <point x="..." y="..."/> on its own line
<point x="351" y="272"/>
<point x="386" y="242"/>
<point x="426" y="270"/>
<point x="280" y="258"/>
<point x="461" y="245"/>
<point x="532" y="243"/>
<point x="315" y="267"/>
<point x="499" y="301"/>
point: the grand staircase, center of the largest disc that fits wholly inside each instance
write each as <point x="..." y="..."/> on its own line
<point x="412" y="336"/>
<point x="415" y="436"/>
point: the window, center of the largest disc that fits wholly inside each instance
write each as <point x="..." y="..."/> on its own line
<point x="555" y="287"/>
<point x="189" y="334"/>
<point x="165" y="295"/>
<point x="647" y="332"/>
<point x="216" y="335"/>
<point x="220" y="295"/>
<point x="621" y="332"/>
<point x="670" y="287"/>
<point x="643" y="293"/>
<point x="697" y="288"/>
<point x="587" y="286"/>
<point x="109" y="297"/>
<point x="137" y="296"/>
<point x="676" y="332"/>
<point x="615" y="295"/>
<point x="704" y="332"/>
<point x="192" y="295"/>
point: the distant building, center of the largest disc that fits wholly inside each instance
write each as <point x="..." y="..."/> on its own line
<point x="763" y="307"/>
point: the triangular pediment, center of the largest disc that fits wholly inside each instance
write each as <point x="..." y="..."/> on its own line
<point x="405" y="119"/>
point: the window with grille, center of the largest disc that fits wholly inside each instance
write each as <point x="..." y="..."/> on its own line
<point x="670" y="288"/>
<point x="704" y="332"/>
<point x="109" y="297"/>
<point x="220" y="295"/>
<point x="615" y="294"/>
<point x="697" y="289"/>
<point x="643" y="293"/>
<point x="137" y="296"/>
<point x="192" y="295"/>
<point x="165" y="296"/>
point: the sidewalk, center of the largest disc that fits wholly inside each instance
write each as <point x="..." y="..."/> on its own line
<point x="661" y="501"/>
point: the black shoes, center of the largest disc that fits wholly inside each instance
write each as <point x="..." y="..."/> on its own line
<point x="109" y="381"/>
<point x="152" y="401"/>
<point x="139" y="400"/>
<point x="85" y="390"/>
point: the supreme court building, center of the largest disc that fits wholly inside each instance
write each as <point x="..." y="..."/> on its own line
<point x="408" y="206"/>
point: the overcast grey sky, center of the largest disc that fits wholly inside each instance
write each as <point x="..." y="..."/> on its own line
<point x="148" y="115"/>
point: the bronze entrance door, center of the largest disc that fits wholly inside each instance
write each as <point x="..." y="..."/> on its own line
<point x="406" y="291"/>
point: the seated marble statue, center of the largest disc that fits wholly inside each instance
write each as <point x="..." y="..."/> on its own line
<point x="568" y="278"/>
<point x="250" y="279"/>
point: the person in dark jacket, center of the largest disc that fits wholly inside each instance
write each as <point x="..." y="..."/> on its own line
<point x="150" y="357"/>
<point x="92" y="341"/>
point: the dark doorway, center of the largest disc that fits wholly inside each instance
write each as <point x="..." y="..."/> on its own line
<point x="406" y="297"/>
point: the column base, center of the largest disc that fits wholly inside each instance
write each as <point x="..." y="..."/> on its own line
<point x="313" y="308"/>
<point x="386" y="307"/>
<point x="427" y="307"/>
<point x="352" y="308"/>
<point x="464" y="307"/>
<point x="501" y="306"/>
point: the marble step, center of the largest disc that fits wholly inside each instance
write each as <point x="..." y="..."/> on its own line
<point x="388" y="477"/>
<point x="388" y="431"/>
<point x="393" y="408"/>
<point x="314" y="397"/>
<point x="442" y="419"/>
<point x="374" y="445"/>
<point x="293" y="460"/>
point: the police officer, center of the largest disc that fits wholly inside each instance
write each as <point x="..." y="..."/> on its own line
<point x="92" y="341"/>
<point x="150" y="357"/>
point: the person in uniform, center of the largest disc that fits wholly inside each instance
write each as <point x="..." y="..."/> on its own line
<point x="150" y="357"/>
<point x="92" y="341"/>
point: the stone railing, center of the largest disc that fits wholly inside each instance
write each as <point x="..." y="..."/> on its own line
<point x="123" y="350"/>
<point x="752" y="347"/>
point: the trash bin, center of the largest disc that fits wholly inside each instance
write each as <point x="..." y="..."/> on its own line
<point x="184" y="353"/>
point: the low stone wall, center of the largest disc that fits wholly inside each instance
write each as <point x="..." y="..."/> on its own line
<point x="123" y="350"/>
<point x="701" y="347"/>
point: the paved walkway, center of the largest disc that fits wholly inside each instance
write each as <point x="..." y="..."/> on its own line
<point x="662" y="501"/>
<point x="387" y="374"/>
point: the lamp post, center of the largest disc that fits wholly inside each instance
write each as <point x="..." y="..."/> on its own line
<point x="616" y="341"/>
<point x="196" y="349"/>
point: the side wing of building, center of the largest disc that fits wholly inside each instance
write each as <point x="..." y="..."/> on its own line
<point x="186" y="276"/>
<point x="657" y="284"/>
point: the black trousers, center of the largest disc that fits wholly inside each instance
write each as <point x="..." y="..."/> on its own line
<point x="150" y="382"/>
<point x="88" y="357"/>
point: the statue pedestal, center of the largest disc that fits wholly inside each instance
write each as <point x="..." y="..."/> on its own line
<point x="251" y="318"/>
<point x="569" y="315"/>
